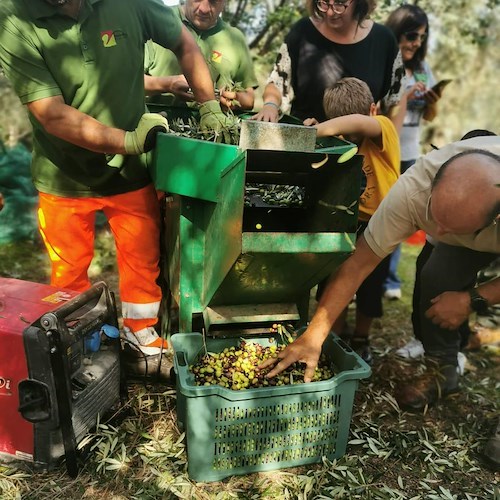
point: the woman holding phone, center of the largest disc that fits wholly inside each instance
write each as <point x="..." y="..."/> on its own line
<point x="410" y="25"/>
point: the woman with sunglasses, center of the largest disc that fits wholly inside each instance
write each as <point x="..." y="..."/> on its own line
<point x="410" y="25"/>
<point x="337" y="40"/>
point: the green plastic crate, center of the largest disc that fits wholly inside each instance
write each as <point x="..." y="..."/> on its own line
<point x="238" y="432"/>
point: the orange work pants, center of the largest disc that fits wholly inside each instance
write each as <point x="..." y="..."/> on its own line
<point x="67" y="226"/>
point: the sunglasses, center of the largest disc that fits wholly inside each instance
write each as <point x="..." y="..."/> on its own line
<point x="412" y="36"/>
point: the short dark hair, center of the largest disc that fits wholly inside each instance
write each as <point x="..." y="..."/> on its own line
<point x="405" y="19"/>
<point x="362" y="9"/>
<point x="478" y="132"/>
<point x="348" y="96"/>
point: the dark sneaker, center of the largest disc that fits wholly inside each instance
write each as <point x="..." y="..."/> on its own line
<point x="437" y="382"/>
<point x="361" y="346"/>
<point x="139" y="366"/>
<point x="492" y="448"/>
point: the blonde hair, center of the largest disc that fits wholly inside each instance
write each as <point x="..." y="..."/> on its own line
<point x="348" y="96"/>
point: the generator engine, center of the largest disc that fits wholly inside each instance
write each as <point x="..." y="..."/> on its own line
<point x="59" y="369"/>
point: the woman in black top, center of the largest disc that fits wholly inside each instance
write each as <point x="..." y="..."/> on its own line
<point x="336" y="40"/>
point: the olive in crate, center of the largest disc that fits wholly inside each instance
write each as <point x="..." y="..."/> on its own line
<point x="236" y="368"/>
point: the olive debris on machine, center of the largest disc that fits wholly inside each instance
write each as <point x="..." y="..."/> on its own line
<point x="236" y="368"/>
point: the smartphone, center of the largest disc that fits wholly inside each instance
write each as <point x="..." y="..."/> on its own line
<point x="438" y="88"/>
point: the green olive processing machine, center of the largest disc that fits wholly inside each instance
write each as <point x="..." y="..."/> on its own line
<point x="240" y="254"/>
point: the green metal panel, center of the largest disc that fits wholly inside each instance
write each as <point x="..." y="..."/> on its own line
<point x="203" y="240"/>
<point x="282" y="273"/>
<point x="191" y="167"/>
<point x="211" y="239"/>
<point x="223" y="230"/>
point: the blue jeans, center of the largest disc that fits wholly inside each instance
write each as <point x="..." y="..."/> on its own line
<point x="392" y="282"/>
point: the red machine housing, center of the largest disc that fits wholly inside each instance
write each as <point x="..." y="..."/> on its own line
<point x="51" y="377"/>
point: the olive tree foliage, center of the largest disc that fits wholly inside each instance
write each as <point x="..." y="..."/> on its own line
<point x="264" y="22"/>
<point x="463" y="45"/>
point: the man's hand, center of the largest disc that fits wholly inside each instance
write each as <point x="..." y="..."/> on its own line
<point x="212" y="119"/>
<point x="143" y="138"/>
<point x="449" y="309"/>
<point x="173" y="84"/>
<point x="237" y="100"/>
<point x="228" y="100"/>
<point x="179" y="86"/>
<point x="305" y="349"/>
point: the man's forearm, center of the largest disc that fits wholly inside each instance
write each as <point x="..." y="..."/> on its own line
<point x="75" y="127"/>
<point x="158" y="84"/>
<point x="194" y="67"/>
<point x="342" y="287"/>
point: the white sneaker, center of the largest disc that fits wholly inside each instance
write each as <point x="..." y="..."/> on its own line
<point x="461" y="359"/>
<point x="147" y="340"/>
<point x="412" y="350"/>
<point x="393" y="294"/>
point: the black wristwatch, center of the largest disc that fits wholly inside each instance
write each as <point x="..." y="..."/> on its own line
<point x="477" y="303"/>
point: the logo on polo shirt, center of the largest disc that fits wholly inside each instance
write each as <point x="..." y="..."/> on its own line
<point x="216" y="56"/>
<point x="109" y="38"/>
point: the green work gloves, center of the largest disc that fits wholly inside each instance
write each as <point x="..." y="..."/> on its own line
<point x="143" y="138"/>
<point x="213" y="120"/>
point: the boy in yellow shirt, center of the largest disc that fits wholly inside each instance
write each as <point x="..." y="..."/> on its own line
<point x="353" y="114"/>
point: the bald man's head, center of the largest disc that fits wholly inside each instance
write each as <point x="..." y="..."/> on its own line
<point x="465" y="197"/>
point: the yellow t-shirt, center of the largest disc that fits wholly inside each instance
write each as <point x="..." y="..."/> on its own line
<point x="381" y="166"/>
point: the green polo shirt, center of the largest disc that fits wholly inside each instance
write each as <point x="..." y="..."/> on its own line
<point x="96" y="63"/>
<point x="223" y="47"/>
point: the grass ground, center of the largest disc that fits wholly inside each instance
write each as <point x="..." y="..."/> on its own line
<point x="391" y="454"/>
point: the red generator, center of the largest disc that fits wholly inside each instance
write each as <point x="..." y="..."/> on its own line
<point x="59" y="369"/>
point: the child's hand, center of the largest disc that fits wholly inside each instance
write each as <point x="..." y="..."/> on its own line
<point x="310" y="122"/>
